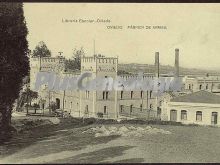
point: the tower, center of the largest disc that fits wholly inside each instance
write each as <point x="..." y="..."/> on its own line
<point x="157" y="64"/>
<point x="176" y="63"/>
<point x="97" y="102"/>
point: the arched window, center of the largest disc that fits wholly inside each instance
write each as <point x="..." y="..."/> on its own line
<point x="198" y="115"/>
<point x="200" y="86"/>
<point x="151" y="106"/>
<point x="214" y="118"/>
<point x="141" y="107"/>
<point x="207" y="86"/>
<point x="183" y="115"/>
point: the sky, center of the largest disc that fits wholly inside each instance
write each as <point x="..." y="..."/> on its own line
<point x="193" y="28"/>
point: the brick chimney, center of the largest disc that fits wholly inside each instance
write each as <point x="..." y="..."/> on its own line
<point x="176" y="62"/>
<point x="157" y="64"/>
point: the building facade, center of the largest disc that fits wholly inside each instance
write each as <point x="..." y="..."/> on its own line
<point x="201" y="107"/>
<point x="106" y="104"/>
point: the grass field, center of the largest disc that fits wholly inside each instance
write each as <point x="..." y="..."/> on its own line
<point x="65" y="143"/>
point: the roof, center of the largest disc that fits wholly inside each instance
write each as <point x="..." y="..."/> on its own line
<point x="198" y="97"/>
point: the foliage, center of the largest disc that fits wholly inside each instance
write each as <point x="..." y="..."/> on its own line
<point x="100" y="114"/>
<point x="41" y="50"/>
<point x="75" y="62"/>
<point x="29" y="95"/>
<point x="14" y="62"/>
<point x="36" y="106"/>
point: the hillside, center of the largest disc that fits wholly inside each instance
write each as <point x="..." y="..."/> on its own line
<point x="164" y="69"/>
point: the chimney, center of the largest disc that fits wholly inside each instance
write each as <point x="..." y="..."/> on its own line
<point x="177" y="62"/>
<point x="157" y="64"/>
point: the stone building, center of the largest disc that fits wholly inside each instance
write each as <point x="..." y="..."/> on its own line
<point x="106" y="104"/>
<point x="207" y="83"/>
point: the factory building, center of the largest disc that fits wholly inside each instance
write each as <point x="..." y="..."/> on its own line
<point x="106" y="104"/>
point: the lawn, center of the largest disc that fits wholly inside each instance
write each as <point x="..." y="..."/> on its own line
<point x="68" y="142"/>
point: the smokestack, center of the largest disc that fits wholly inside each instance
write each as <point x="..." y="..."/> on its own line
<point x="157" y="64"/>
<point x="177" y="62"/>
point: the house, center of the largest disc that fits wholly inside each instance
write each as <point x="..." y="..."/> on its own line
<point x="200" y="107"/>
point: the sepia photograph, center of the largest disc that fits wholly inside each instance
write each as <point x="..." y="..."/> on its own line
<point x="98" y="83"/>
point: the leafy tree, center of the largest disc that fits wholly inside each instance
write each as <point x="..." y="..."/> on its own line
<point x="75" y="62"/>
<point x="14" y="63"/>
<point x="41" y="50"/>
<point x="36" y="106"/>
<point x="30" y="95"/>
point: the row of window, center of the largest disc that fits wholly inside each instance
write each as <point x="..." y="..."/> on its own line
<point x="105" y="94"/>
<point x="131" y="107"/>
<point x="199" y="116"/>
<point x="190" y="86"/>
<point x="132" y="92"/>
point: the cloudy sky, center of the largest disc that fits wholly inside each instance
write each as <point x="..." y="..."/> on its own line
<point x="193" y="28"/>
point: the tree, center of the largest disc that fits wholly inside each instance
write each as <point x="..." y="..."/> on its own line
<point x="14" y="62"/>
<point x="75" y="62"/>
<point x="36" y="106"/>
<point x="30" y="95"/>
<point x="41" y="50"/>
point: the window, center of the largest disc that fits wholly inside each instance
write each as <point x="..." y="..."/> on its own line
<point x="106" y="95"/>
<point x="183" y="115"/>
<point x="131" y="94"/>
<point x="103" y="95"/>
<point x="151" y="106"/>
<point x="87" y="109"/>
<point x="87" y="94"/>
<point x="200" y="86"/>
<point x="141" y="107"/>
<point x="150" y="94"/>
<point x="189" y="86"/>
<point x="105" y="109"/>
<point x="141" y="94"/>
<point x="214" y="118"/>
<point x="131" y="106"/>
<point x="121" y="94"/>
<point x="198" y="116"/>
<point x="207" y="86"/>
<point x="121" y="108"/>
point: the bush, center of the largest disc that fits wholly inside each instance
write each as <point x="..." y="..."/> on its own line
<point x="100" y="114"/>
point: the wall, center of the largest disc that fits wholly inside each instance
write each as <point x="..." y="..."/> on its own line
<point x="191" y="109"/>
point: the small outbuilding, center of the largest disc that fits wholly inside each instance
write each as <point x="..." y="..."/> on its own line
<point x="200" y="107"/>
